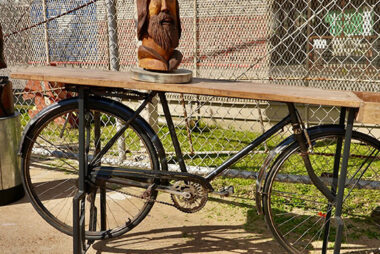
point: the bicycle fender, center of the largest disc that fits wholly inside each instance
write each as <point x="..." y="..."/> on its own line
<point x="268" y="162"/>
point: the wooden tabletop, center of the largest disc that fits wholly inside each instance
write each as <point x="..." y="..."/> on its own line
<point x="247" y="90"/>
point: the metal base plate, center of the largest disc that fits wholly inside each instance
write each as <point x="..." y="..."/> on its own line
<point x="180" y="76"/>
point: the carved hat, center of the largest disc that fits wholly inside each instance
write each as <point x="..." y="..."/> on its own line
<point x="142" y="18"/>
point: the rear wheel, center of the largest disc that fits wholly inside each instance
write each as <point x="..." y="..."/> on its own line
<point x="50" y="166"/>
<point x="299" y="215"/>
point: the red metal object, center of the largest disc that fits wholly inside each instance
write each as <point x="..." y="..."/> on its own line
<point x="44" y="94"/>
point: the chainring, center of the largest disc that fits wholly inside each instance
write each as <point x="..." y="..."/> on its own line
<point x="195" y="202"/>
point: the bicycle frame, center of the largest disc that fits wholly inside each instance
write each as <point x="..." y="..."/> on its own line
<point x="293" y="118"/>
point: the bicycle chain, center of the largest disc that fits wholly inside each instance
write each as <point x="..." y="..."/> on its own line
<point x="141" y="197"/>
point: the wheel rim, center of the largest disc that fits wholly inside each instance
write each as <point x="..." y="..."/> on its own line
<point x="297" y="212"/>
<point x="50" y="174"/>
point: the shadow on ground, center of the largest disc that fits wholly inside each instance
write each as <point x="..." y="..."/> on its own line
<point x="250" y="237"/>
<point x="192" y="239"/>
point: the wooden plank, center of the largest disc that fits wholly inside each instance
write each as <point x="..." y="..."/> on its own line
<point x="369" y="111"/>
<point x="247" y="90"/>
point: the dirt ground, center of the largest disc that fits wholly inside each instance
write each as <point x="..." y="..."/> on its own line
<point x="223" y="226"/>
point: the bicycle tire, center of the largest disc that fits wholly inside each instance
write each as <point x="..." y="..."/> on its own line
<point x="297" y="213"/>
<point x="50" y="165"/>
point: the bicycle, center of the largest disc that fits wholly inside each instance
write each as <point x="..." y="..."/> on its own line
<point x="299" y="215"/>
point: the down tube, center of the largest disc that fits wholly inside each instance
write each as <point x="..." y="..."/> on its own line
<point x="249" y="148"/>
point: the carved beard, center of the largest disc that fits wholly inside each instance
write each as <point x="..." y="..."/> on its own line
<point x="163" y="33"/>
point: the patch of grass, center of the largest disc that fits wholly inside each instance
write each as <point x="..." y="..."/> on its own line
<point x="214" y="142"/>
<point x="252" y="220"/>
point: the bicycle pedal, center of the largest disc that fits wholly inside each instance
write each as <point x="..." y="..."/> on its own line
<point x="225" y="191"/>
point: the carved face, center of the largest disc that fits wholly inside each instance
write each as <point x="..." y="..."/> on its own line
<point x="160" y="20"/>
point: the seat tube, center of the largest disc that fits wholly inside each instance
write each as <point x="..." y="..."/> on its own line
<point x="173" y="135"/>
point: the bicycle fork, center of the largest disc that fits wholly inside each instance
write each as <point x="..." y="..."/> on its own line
<point x="339" y="180"/>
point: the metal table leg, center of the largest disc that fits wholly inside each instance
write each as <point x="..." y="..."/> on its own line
<point x="342" y="181"/>
<point x="103" y="215"/>
<point x="338" y="153"/>
<point x="79" y="199"/>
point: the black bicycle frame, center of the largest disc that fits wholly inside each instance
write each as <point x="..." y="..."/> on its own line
<point x="292" y="119"/>
<point x="334" y="196"/>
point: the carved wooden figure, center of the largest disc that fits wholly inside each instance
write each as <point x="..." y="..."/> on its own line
<point x="2" y="59"/>
<point x="159" y="29"/>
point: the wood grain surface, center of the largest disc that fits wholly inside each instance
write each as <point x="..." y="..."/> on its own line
<point x="247" y="90"/>
<point x="368" y="103"/>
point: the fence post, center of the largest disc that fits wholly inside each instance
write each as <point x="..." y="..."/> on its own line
<point x="308" y="63"/>
<point x="46" y="33"/>
<point x="114" y="60"/>
<point x="113" y="45"/>
<point x="195" y="38"/>
<point x="195" y="58"/>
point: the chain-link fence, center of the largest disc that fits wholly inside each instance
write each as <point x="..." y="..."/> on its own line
<point x="316" y="43"/>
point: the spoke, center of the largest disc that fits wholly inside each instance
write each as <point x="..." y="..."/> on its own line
<point x="54" y="156"/>
<point x="64" y="205"/>
<point x="53" y="199"/>
<point x="70" y="209"/>
<point x="108" y="146"/>
<point x="113" y="216"/>
<point x="299" y="225"/>
<point x="299" y="238"/>
<point x="311" y="228"/>
<point x="133" y="204"/>
<point x="358" y="179"/>
<point x="291" y="218"/>
<point x="57" y="168"/>
<point x="108" y="196"/>
<point x="58" y="148"/>
<point x="280" y="214"/>
<point x="294" y="195"/>
<point x="367" y="158"/>
<point x="64" y="124"/>
<point x="58" y="185"/>
<point x="315" y="235"/>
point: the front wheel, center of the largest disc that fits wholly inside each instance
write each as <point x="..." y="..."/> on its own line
<point x="50" y="166"/>
<point x="299" y="215"/>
